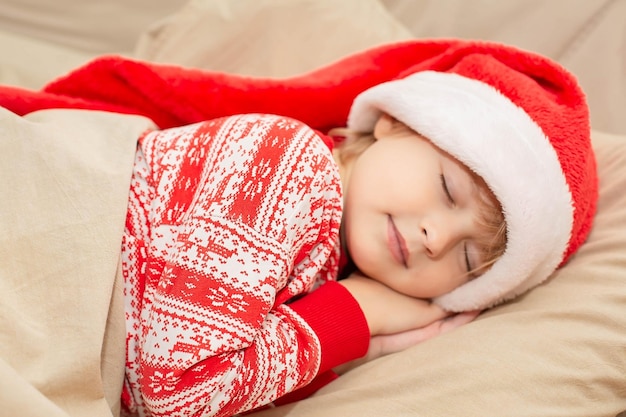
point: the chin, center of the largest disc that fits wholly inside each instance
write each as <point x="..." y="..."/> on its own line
<point x="372" y="260"/>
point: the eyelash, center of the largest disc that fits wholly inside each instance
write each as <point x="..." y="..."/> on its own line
<point x="444" y="185"/>
<point x="446" y="191"/>
<point x="467" y="261"/>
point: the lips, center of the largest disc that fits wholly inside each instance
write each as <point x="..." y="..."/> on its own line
<point x="396" y="243"/>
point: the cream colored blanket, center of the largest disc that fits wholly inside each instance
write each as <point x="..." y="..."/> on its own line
<point x="65" y="179"/>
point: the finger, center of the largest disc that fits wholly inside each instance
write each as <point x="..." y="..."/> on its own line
<point x="401" y="341"/>
<point x="459" y="319"/>
<point x="436" y="328"/>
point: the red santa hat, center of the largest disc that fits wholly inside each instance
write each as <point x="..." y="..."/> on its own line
<point x="521" y="122"/>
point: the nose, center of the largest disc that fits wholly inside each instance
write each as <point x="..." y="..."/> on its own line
<point x="441" y="233"/>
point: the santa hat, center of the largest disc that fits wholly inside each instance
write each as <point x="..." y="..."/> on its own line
<point x="521" y="122"/>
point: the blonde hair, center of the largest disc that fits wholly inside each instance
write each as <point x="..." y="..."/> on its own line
<point x="491" y="244"/>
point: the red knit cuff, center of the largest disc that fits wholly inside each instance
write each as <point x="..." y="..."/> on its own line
<point x="338" y="321"/>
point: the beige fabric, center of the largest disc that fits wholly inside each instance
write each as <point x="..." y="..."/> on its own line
<point x="41" y="40"/>
<point x="558" y="351"/>
<point x="65" y="179"/>
<point x="268" y="37"/>
<point x="89" y="26"/>
<point x="22" y="57"/>
<point x="586" y="36"/>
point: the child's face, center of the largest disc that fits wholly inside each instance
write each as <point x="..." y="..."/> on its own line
<point x="411" y="215"/>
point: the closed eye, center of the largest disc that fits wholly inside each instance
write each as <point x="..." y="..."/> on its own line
<point x="446" y="190"/>
<point x="473" y="270"/>
<point x="467" y="260"/>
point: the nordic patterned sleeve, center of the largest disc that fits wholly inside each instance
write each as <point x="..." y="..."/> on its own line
<point x="228" y="221"/>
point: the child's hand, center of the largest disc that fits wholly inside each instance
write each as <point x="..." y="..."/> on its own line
<point x="388" y="311"/>
<point x="385" y="344"/>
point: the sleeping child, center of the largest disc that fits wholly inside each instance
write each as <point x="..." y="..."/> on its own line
<point x="261" y="255"/>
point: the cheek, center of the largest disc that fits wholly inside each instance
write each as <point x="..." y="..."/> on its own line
<point x="362" y="238"/>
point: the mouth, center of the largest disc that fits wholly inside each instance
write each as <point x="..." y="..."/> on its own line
<point x="396" y="243"/>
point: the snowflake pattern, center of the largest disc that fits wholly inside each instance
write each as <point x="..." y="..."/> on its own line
<point x="160" y="382"/>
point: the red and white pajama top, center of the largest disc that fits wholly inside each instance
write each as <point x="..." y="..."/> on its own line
<point x="229" y="257"/>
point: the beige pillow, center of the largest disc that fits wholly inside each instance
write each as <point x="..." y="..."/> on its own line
<point x="273" y="38"/>
<point x="41" y="39"/>
<point x="22" y="56"/>
<point x="93" y="27"/>
<point x="558" y="351"/>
